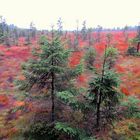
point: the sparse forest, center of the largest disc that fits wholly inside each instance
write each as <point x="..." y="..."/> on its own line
<point x="69" y="85"/>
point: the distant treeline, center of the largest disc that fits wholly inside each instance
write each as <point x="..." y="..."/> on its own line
<point x="9" y="34"/>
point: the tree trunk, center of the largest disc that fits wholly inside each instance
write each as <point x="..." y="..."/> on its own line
<point x="98" y="111"/>
<point x="52" y="87"/>
<point x="52" y="99"/>
<point x="100" y="93"/>
<point x="138" y="47"/>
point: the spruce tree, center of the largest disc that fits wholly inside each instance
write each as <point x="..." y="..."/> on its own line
<point x="3" y="31"/>
<point x="109" y="39"/>
<point x="135" y="44"/>
<point x="49" y="69"/>
<point x="90" y="57"/>
<point x="90" y="37"/>
<point x="103" y="93"/>
<point x="84" y="31"/>
<point x="99" y="29"/>
<point x="76" y="37"/>
<point x="60" y="27"/>
<point x="138" y="38"/>
<point x="32" y="30"/>
<point x="125" y="33"/>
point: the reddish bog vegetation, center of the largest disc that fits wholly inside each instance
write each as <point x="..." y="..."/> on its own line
<point x="12" y="57"/>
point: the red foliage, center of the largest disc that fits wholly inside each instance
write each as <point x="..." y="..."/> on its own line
<point x="125" y="91"/>
<point x="21" y="77"/>
<point x="100" y="48"/>
<point x="75" y="58"/>
<point x="97" y="65"/>
<point x="120" y="69"/>
<point x="19" y="103"/>
<point x="81" y="78"/>
<point x="136" y="70"/>
<point x="122" y="46"/>
<point x="4" y="100"/>
<point x="12" y="57"/>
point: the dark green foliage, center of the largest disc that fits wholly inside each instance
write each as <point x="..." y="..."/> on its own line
<point x="111" y="56"/>
<point x="138" y="44"/>
<point x="131" y="51"/>
<point x="106" y="88"/>
<point x="66" y="80"/>
<point x="60" y="27"/>
<point x="76" y="37"/>
<point x="90" y="37"/>
<point x="90" y="58"/>
<point x="55" y="131"/>
<point x="84" y="31"/>
<point x="8" y="33"/>
<point x="32" y="30"/>
<point x="102" y="93"/>
<point x="76" y="43"/>
<point x="125" y="32"/>
<point x="135" y="42"/>
<point x="74" y="133"/>
<point x="42" y="40"/>
<point x="99" y="29"/>
<point x="47" y="69"/>
<point x="65" y="128"/>
<point x="41" y="131"/>
<point x="27" y="40"/>
<point x="2" y="24"/>
<point x="37" y="71"/>
<point x="71" y="99"/>
<point x="4" y="32"/>
<point x="109" y="39"/>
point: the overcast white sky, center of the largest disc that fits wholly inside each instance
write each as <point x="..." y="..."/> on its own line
<point x="108" y="13"/>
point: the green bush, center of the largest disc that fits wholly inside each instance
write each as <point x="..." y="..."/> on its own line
<point x="41" y="131"/>
<point x="55" y="131"/>
<point x="131" y="51"/>
<point x="132" y="108"/>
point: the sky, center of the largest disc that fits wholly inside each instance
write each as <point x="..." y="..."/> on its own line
<point x="44" y="13"/>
